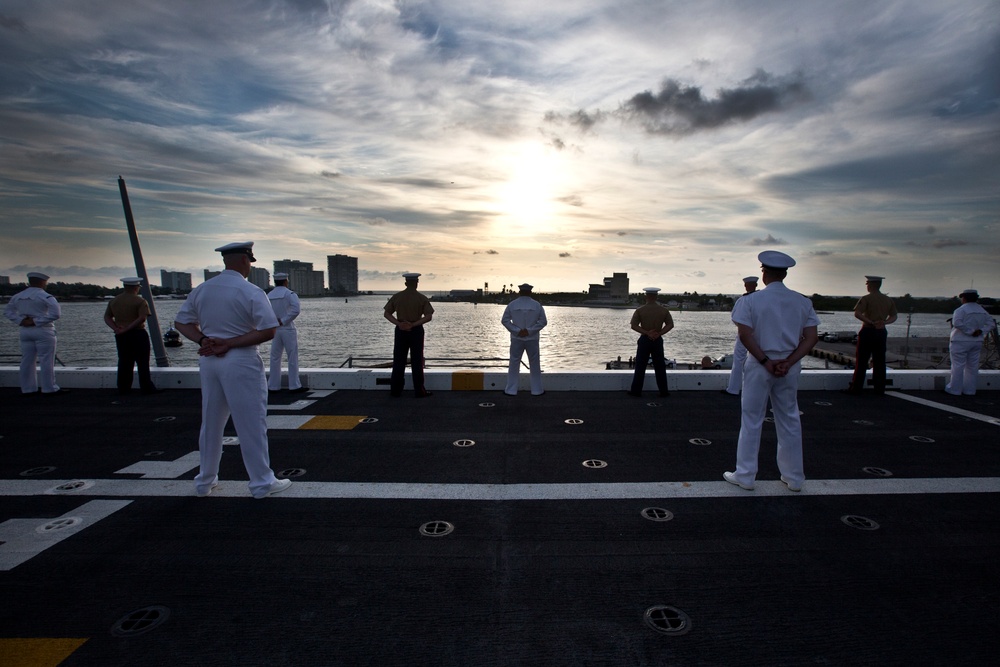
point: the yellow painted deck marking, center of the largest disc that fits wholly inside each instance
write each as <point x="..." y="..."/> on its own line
<point x="39" y="652"/>
<point x="468" y="381"/>
<point x="332" y="422"/>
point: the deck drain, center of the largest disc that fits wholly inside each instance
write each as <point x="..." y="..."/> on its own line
<point x="668" y="620"/>
<point x="230" y="440"/>
<point x="921" y="438"/>
<point x="595" y="463"/>
<point x="34" y="472"/>
<point x="657" y="514"/>
<point x="487" y="405"/>
<point x="436" y="528"/>
<point x="292" y="472"/>
<point x="654" y="404"/>
<point x="863" y="422"/>
<point x="59" y="524"/>
<point x="959" y="418"/>
<point x="574" y="422"/>
<point x="859" y="522"/>
<point x="464" y="443"/>
<point x="164" y="419"/>
<point x="140" y="621"/>
<point x="75" y="485"/>
<point x="825" y="404"/>
<point x="878" y="472"/>
<point x="368" y="420"/>
<point x="700" y="441"/>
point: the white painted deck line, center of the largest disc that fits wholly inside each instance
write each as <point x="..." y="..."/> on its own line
<point x="23" y="539"/>
<point x="510" y="492"/>
<point x="947" y="408"/>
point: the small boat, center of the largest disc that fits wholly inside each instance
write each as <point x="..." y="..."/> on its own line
<point x="618" y="364"/>
<point x="172" y="338"/>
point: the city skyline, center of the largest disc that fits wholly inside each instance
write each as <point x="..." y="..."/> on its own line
<point x="551" y="143"/>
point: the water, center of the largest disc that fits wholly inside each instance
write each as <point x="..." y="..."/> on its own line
<point x="331" y="330"/>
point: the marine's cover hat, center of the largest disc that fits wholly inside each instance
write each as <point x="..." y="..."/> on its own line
<point x="650" y="290"/>
<point x="411" y="276"/>
<point x="750" y="279"/>
<point x="37" y="275"/>
<point x="773" y="259"/>
<point x="238" y="248"/>
<point x="281" y="276"/>
<point x="875" y="279"/>
<point x="132" y="280"/>
<point x="525" y="287"/>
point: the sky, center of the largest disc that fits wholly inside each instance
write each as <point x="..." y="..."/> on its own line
<point x="509" y="141"/>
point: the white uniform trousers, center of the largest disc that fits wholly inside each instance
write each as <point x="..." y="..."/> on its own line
<point x="964" y="366"/>
<point x="234" y="384"/>
<point x="518" y="346"/>
<point x="736" y="374"/>
<point x="38" y="343"/>
<point x="285" y="340"/>
<point x="758" y="387"/>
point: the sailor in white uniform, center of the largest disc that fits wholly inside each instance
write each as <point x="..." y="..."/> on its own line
<point x="34" y="311"/>
<point x="524" y="318"/>
<point x="286" y="307"/>
<point x="778" y="327"/>
<point x="228" y="318"/>
<point x="970" y="324"/>
<point x="739" y="350"/>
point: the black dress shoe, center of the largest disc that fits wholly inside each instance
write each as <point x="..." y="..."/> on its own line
<point x="300" y="390"/>
<point x="637" y="394"/>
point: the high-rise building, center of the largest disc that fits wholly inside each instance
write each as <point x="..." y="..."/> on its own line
<point x="303" y="280"/>
<point x="342" y="272"/>
<point x="177" y="281"/>
<point x="259" y="277"/>
<point x="211" y="274"/>
<point x="4" y="280"/>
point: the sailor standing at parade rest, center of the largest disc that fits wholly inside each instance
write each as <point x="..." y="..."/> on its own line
<point x="409" y="310"/>
<point x="875" y="310"/>
<point x="970" y="324"/>
<point x="651" y="321"/>
<point x="229" y="317"/>
<point x="524" y="318"/>
<point x="126" y="315"/>
<point x="739" y="350"/>
<point x="778" y="327"/>
<point x="286" y="307"/>
<point x="34" y="311"/>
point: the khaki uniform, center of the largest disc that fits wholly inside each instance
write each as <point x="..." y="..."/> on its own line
<point x="650" y="317"/>
<point x="408" y="306"/>
<point x="876" y="307"/>
<point x="133" y="345"/>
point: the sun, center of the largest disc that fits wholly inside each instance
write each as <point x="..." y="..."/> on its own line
<point x="527" y="202"/>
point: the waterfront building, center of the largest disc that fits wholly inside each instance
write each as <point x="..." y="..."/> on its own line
<point x="211" y="274"/>
<point x="177" y="281"/>
<point x="614" y="288"/>
<point x="4" y="280"/>
<point x="259" y="277"/>
<point x="303" y="280"/>
<point x="342" y="274"/>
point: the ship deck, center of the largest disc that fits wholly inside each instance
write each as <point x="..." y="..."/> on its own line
<point x="474" y="528"/>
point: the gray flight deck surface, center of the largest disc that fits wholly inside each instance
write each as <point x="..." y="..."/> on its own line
<point x="550" y="562"/>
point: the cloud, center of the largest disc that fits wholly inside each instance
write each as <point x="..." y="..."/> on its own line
<point x="821" y="253"/>
<point x="565" y="254"/>
<point x="939" y="243"/>
<point x="770" y="240"/>
<point x="678" y="109"/>
<point x="12" y="23"/>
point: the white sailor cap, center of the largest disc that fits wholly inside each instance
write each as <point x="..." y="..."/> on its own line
<point x="750" y="279"/>
<point x="969" y="292"/>
<point x="773" y="259"/>
<point x="874" y="279"/>
<point x="238" y="248"/>
<point x="132" y="280"/>
<point x="281" y="276"/>
<point x="650" y="290"/>
<point x="525" y="287"/>
<point x="37" y="275"/>
<point x="411" y="276"/>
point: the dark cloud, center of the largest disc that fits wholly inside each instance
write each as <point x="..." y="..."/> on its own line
<point x="882" y="252"/>
<point x="376" y="222"/>
<point x="939" y="243"/>
<point x="487" y="252"/>
<point x="432" y="183"/>
<point x="329" y="174"/>
<point x="678" y="109"/>
<point x="821" y="253"/>
<point x="770" y="240"/>
<point x="931" y="229"/>
<point x="492" y="252"/>
<point x="12" y="23"/>
<point x="572" y="200"/>
<point x="565" y="254"/>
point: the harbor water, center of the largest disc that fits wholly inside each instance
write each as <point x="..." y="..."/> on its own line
<point x="463" y="335"/>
